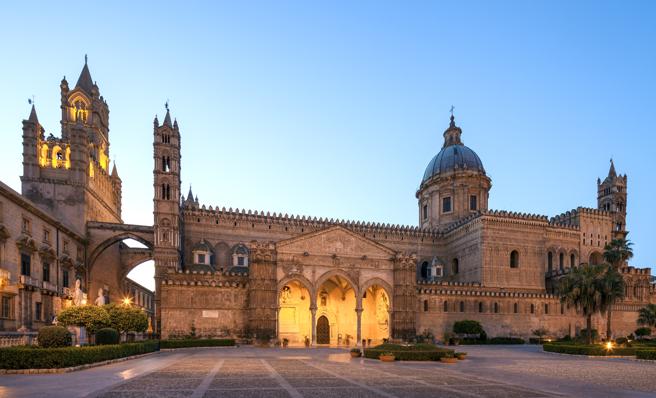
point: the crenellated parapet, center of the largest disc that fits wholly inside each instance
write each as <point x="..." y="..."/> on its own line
<point x="192" y="210"/>
<point x="237" y="280"/>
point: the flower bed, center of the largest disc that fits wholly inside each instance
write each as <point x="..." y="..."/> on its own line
<point x="493" y="340"/>
<point x="186" y="343"/>
<point x="27" y="357"/>
<point x="415" y="352"/>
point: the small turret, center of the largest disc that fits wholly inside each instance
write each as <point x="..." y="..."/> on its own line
<point x="612" y="197"/>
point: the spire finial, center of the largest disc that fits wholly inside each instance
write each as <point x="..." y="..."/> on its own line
<point x="166" y="105"/>
<point x="453" y="119"/>
<point x="85" y="59"/>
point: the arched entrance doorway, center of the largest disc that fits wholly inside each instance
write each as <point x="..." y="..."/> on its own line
<point x="336" y="303"/>
<point x="323" y="330"/>
<point x="294" y="315"/>
<point x="375" y="314"/>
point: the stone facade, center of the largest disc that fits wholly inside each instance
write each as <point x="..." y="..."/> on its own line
<point x="232" y="272"/>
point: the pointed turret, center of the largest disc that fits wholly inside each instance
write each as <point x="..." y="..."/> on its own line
<point x="33" y="118"/>
<point x="167" y="118"/>
<point x="156" y="123"/>
<point x="115" y="172"/>
<point x="611" y="171"/>
<point x="84" y="81"/>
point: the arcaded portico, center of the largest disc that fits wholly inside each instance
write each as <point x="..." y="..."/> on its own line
<point x="334" y="287"/>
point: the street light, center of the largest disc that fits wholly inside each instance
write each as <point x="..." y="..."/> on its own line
<point x="127" y="301"/>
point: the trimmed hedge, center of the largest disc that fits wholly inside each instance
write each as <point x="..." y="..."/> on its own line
<point x="416" y="352"/>
<point x="646" y="354"/>
<point x="48" y="358"/>
<point x="106" y="336"/>
<point x="592" y="350"/>
<point x="185" y="343"/>
<point x="54" y="336"/>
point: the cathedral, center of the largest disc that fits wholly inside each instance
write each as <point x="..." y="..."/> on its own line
<point x="244" y="273"/>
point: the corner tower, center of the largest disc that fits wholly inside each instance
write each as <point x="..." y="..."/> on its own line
<point x="69" y="176"/>
<point x="166" y="201"/>
<point x="611" y="197"/>
<point x="454" y="183"/>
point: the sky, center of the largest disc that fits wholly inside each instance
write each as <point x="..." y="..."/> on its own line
<point x="334" y="109"/>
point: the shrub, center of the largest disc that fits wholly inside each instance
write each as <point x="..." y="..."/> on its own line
<point x="54" y="336"/>
<point x="583" y="349"/>
<point x="107" y="336"/>
<point x="415" y="352"/>
<point x="126" y="318"/>
<point x="584" y="334"/>
<point x="186" y="343"/>
<point x="91" y="317"/>
<point x="468" y="327"/>
<point x="64" y="357"/>
<point x="506" y="340"/>
<point x="641" y="332"/>
<point x="646" y="354"/>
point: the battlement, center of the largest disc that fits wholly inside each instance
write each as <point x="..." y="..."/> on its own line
<point x="191" y="208"/>
<point x="474" y="289"/>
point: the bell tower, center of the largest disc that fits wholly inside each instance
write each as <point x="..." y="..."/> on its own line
<point x="166" y="201"/>
<point x="611" y="197"/>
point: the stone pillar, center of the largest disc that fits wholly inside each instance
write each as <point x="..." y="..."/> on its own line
<point x="262" y="290"/>
<point x="358" y="312"/>
<point x="313" y="310"/>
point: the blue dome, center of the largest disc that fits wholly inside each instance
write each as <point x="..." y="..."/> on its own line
<point x="453" y="157"/>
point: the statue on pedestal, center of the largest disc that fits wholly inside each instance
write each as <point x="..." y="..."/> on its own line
<point x="101" y="299"/>
<point x="78" y="294"/>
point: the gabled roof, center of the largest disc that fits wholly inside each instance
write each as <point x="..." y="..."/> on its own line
<point x="335" y="240"/>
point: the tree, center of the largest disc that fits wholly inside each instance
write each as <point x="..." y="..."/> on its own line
<point x="616" y="253"/>
<point x="583" y="288"/>
<point x="91" y="317"/>
<point x="540" y="332"/>
<point x="612" y="292"/>
<point x="647" y="315"/>
<point x="126" y="318"/>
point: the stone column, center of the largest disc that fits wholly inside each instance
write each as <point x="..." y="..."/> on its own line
<point x="313" y="310"/>
<point x="358" y="312"/>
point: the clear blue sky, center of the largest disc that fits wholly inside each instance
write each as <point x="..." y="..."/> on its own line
<point x="334" y="110"/>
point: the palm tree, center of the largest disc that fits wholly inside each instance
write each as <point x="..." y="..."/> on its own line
<point x="647" y="315"/>
<point x="616" y="253"/>
<point x="612" y="291"/>
<point x="583" y="288"/>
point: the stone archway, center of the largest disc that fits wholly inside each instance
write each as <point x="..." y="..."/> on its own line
<point x="295" y="315"/>
<point x="336" y="298"/>
<point x="376" y="307"/>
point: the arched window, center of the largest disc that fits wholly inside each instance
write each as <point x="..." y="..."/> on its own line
<point x="572" y="260"/>
<point x="425" y="305"/>
<point x="546" y="308"/>
<point x="561" y="261"/>
<point x="446" y="306"/>
<point x="532" y="308"/>
<point x="425" y="271"/>
<point x="240" y="256"/>
<point x="455" y="266"/>
<point x="462" y="306"/>
<point x="549" y="262"/>
<point x="496" y="308"/>
<point x="480" y="306"/>
<point x="514" y="259"/>
<point x="515" y="308"/>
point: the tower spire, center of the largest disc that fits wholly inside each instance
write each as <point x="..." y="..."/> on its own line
<point x="611" y="171"/>
<point x="85" y="82"/>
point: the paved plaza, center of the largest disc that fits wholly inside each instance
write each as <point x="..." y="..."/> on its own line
<point x="492" y="371"/>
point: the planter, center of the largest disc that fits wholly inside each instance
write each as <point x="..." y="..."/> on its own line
<point x="387" y="358"/>
<point x="448" y="360"/>
<point x="355" y="354"/>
